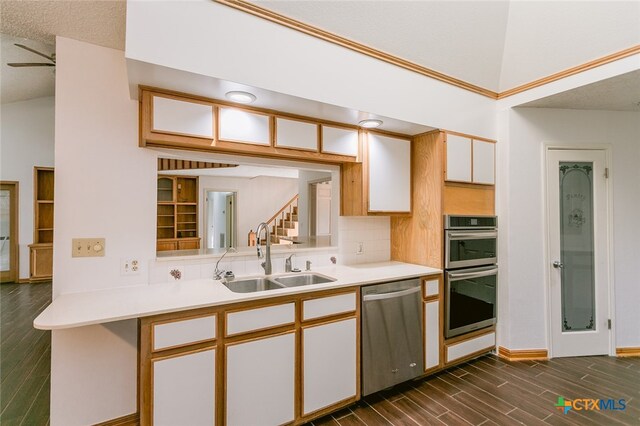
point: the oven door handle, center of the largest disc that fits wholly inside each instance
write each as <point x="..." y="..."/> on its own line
<point x="472" y="235"/>
<point x="462" y="275"/>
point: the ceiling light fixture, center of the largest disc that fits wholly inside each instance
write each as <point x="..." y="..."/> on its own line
<point x="370" y="123"/>
<point x="241" y="97"/>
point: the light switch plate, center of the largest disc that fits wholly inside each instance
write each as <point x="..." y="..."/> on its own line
<point x="87" y="247"/>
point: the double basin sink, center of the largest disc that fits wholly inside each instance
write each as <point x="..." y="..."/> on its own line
<point x="251" y="285"/>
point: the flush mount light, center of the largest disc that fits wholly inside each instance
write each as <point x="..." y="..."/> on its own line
<point x="370" y="124"/>
<point x="241" y="97"/>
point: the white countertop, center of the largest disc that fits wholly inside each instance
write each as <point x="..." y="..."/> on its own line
<point x="102" y="306"/>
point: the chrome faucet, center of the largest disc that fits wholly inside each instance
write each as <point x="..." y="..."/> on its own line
<point x="287" y="263"/>
<point x="267" y="255"/>
<point x="217" y="274"/>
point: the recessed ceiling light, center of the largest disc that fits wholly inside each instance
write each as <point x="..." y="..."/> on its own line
<point x="241" y="97"/>
<point x="370" y="123"/>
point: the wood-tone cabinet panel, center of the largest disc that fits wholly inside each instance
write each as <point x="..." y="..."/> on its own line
<point x="296" y="134"/>
<point x="260" y="318"/>
<point x="260" y="381"/>
<point x="458" y="155"/>
<point x="188" y="244"/>
<point x="389" y="164"/>
<point x="484" y="162"/>
<point x="182" y="118"/>
<point x="432" y="333"/>
<point x="179" y="333"/>
<point x="235" y="125"/>
<point x="41" y="261"/>
<point x="336" y="140"/>
<point x="330" y="367"/>
<point x="184" y="389"/>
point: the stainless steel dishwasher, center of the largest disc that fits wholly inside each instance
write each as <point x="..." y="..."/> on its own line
<point x="392" y="350"/>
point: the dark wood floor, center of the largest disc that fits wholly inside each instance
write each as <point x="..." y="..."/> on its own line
<point x="490" y="391"/>
<point x="25" y="355"/>
<point x="485" y="391"/>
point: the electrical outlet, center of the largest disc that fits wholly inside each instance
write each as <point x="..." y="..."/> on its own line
<point x="87" y="247"/>
<point x="129" y="266"/>
<point x="360" y="248"/>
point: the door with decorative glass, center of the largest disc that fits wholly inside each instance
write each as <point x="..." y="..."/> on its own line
<point x="578" y="252"/>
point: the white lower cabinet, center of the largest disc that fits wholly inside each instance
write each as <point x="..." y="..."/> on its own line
<point x="260" y="381"/>
<point x="329" y="364"/>
<point x="432" y="334"/>
<point x="184" y="389"/>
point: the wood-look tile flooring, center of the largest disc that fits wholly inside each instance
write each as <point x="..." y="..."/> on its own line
<point x="486" y="391"/>
<point x="25" y="355"/>
<point x="490" y="391"/>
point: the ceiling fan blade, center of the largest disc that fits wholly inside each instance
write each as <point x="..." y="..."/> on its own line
<point x="27" y="64"/>
<point x="35" y="51"/>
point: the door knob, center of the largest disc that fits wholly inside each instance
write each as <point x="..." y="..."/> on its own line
<point x="558" y="264"/>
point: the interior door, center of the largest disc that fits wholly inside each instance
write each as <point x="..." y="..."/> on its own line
<point x="578" y="250"/>
<point x="8" y="232"/>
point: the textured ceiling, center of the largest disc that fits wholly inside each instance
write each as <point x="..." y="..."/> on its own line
<point x="96" y="22"/>
<point x="497" y="45"/>
<point x="19" y="84"/>
<point x="620" y="93"/>
<point x="36" y="24"/>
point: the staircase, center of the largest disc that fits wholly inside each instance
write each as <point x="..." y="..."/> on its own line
<point x="284" y="223"/>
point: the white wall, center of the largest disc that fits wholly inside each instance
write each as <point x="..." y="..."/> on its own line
<point x="259" y="53"/>
<point x="255" y="197"/>
<point x="105" y="187"/>
<point x="304" y="177"/>
<point x="26" y="140"/>
<point x="522" y="229"/>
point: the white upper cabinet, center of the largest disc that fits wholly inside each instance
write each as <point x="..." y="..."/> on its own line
<point x="182" y="118"/>
<point x="296" y="134"/>
<point x="470" y="160"/>
<point x="458" y="158"/>
<point x="336" y="140"/>
<point x="483" y="162"/>
<point x="389" y="174"/>
<point x="241" y="126"/>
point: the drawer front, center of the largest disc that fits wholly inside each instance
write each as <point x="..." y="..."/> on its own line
<point x="462" y="349"/>
<point x="325" y="306"/>
<point x="184" y="332"/>
<point x="431" y="288"/>
<point x="260" y="318"/>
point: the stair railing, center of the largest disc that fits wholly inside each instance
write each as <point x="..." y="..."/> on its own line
<point x="282" y="214"/>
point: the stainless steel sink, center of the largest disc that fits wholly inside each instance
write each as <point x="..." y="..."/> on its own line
<point x="251" y="285"/>
<point x="303" y="279"/>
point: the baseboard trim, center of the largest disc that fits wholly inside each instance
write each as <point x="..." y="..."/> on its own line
<point x="523" y="354"/>
<point x="627" y="352"/>
<point x="128" y="420"/>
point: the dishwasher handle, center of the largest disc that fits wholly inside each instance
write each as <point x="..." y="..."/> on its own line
<point x="391" y="295"/>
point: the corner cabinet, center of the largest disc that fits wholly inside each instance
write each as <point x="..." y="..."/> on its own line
<point x="381" y="184"/>
<point x="177" y="213"/>
<point x="469" y="160"/>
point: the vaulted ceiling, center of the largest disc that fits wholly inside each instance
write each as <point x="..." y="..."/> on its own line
<point x="497" y="45"/>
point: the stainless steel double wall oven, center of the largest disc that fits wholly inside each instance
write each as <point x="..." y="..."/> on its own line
<point x="471" y="273"/>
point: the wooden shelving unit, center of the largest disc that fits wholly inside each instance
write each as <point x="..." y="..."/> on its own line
<point x="41" y="251"/>
<point x="177" y="216"/>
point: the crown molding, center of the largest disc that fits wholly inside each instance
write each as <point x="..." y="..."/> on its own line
<point x="571" y="71"/>
<point x="277" y="18"/>
<point x="261" y="12"/>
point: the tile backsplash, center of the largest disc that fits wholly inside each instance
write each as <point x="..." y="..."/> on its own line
<point x="371" y="232"/>
<point x="162" y="271"/>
